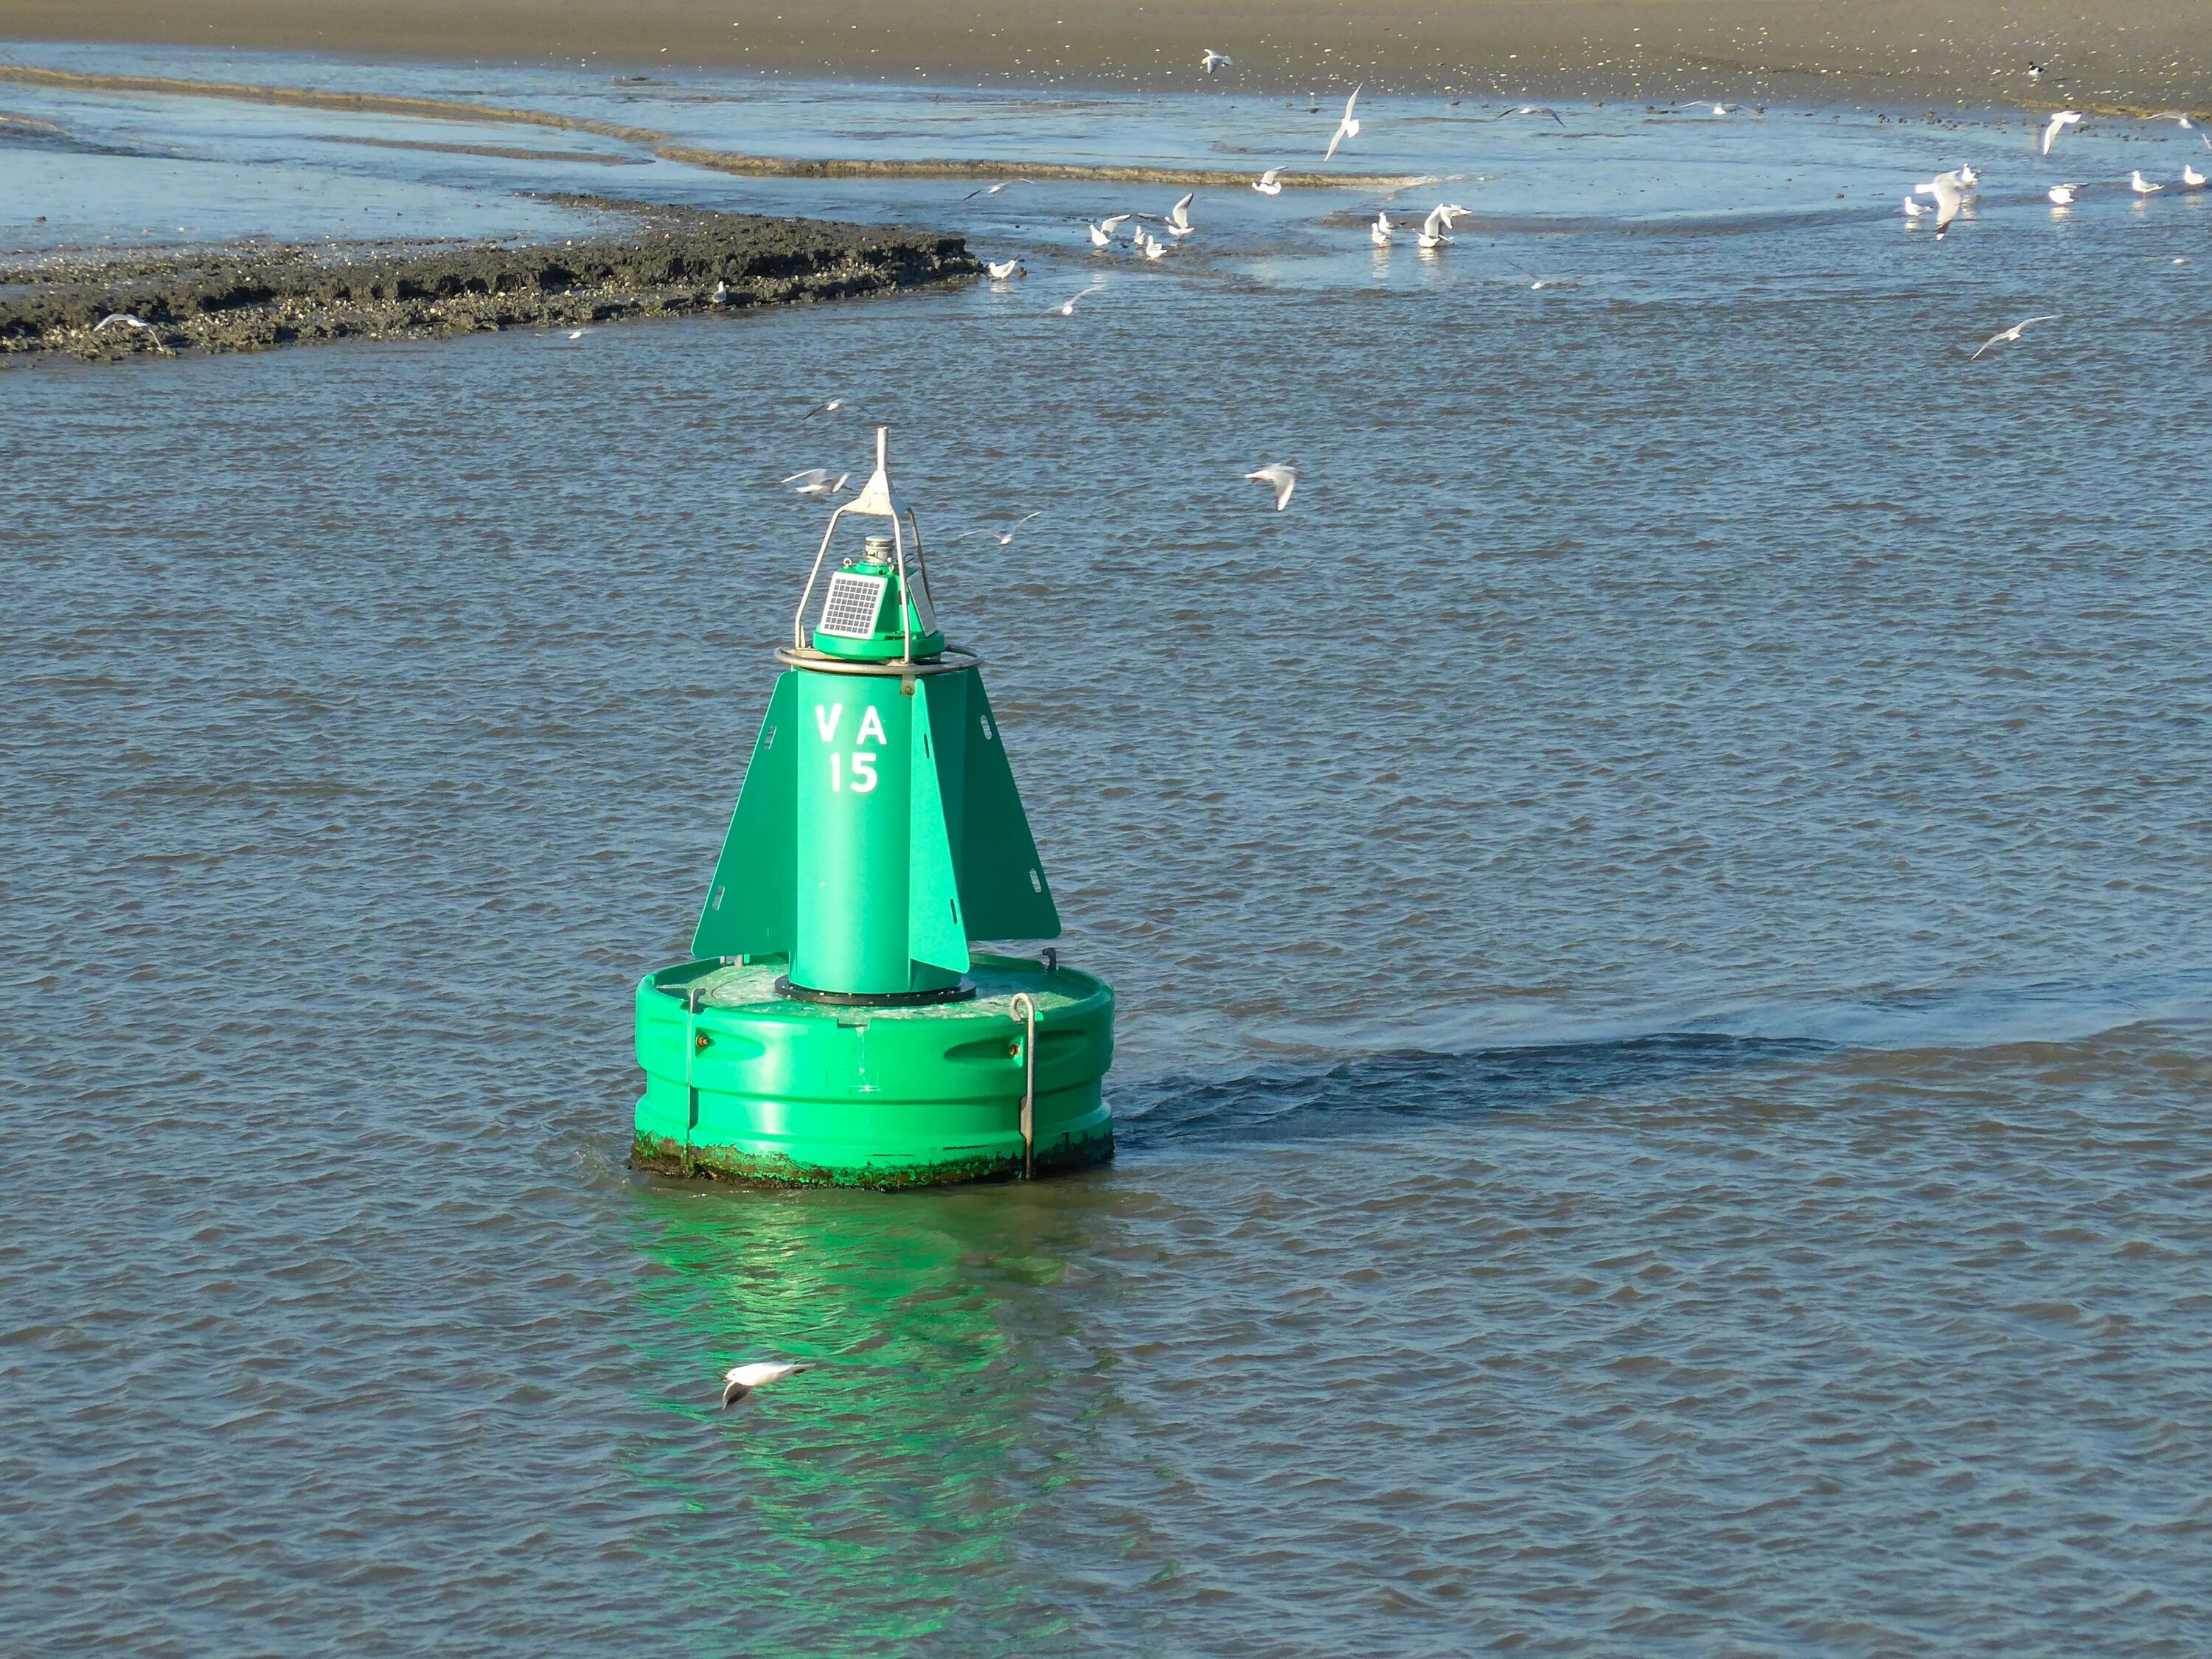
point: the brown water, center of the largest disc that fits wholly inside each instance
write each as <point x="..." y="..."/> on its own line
<point x="1660" y="912"/>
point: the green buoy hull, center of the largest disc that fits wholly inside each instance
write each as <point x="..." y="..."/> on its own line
<point x="746" y="1083"/>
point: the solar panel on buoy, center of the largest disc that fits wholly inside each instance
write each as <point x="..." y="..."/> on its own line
<point x="850" y="608"/>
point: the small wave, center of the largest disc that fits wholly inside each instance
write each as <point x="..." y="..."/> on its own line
<point x="1358" y="1095"/>
<point x="1452" y="1065"/>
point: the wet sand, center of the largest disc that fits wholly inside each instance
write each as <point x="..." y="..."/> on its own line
<point x="661" y="145"/>
<point x="666" y="262"/>
<point x="2133" y="53"/>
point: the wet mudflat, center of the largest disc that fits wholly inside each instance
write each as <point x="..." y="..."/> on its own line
<point x="659" y="262"/>
<point x="1659" y="911"/>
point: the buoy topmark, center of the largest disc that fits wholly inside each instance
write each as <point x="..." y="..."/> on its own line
<point x="834" y="1024"/>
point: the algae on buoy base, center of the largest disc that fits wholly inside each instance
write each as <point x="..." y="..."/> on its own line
<point x="833" y="1026"/>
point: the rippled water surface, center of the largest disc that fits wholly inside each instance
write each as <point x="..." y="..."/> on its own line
<point x="1660" y="913"/>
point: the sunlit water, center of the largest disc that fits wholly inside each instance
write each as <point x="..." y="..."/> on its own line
<point x="1660" y="913"/>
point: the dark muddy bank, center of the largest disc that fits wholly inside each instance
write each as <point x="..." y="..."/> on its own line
<point x="664" y="262"/>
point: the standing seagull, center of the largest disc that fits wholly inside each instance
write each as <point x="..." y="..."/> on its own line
<point x="1380" y="233"/>
<point x="1347" y="124"/>
<point x="1282" y="477"/>
<point x="2140" y="185"/>
<point x="2012" y="333"/>
<point x="1001" y="270"/>
<point x="2191" y="177"/>
<point x="1913" y="210"/>
<point x="2058" y="124"/>
<point x="1269" y="183"/>
<point x="739" y="1381"/>
<point x="1214" y="60"/>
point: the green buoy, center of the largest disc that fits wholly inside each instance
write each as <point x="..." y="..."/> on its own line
<point x="832" y="1025"/>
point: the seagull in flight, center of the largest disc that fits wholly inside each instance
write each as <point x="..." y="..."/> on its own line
<point x="1945" y="188"/>
<point x="1380" y="233"/>
<point x="1005" y="538"/>
<point x="992" y="190"/>
<point x="999" y="270"/>
<point x="127" y="319"/>
<point x="1215" y="60"/>
<point x="814" y="481"/>
<point x="1347" y="124"/>
<point x="2058" y="124"/>
<point x="739" y="1381"/>
<point x="1269" y="183"/>
<point x="1431" y="234"/>
<point x="2012" y="333"/>
<point x="1178" y="220"/>
<point x="1280" y="477"/>
<point x="1537" y="285"/>
<point x="1717" y="109"/>
<point x="2140" y="185"/>
<point x="1068" y="309"/>
<point x="830" y="408"/>
<point x="1527" y="109"/>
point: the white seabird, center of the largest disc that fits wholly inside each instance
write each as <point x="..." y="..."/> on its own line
<point x="2058" y="124"/>
<point x="739" y="1381"/>
<point x="1347" y="124"/>
<point x="1214" y="60"/>
<point x="1944" y="187"/>
<point x="1269" y="183"/>
<point x="2012" y="333"/>
<point x="1280" y="477"/>
<point x="2140" y="185"/>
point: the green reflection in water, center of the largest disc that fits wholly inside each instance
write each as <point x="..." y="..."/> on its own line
<point x="915" y="1486"/>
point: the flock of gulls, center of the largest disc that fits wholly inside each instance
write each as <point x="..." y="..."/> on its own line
<point x="1153" y="235"/>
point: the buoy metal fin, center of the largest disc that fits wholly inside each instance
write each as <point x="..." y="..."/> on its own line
<point x="750" y="908"/>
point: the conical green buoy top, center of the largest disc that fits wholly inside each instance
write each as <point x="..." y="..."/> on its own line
<point x="878" y="829"/>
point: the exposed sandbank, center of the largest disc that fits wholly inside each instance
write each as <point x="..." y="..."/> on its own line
<point x="2126" y="53"/>
<point x="666" y="262"/>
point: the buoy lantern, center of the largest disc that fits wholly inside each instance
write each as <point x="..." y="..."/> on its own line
<point x="834" y="1025"/>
